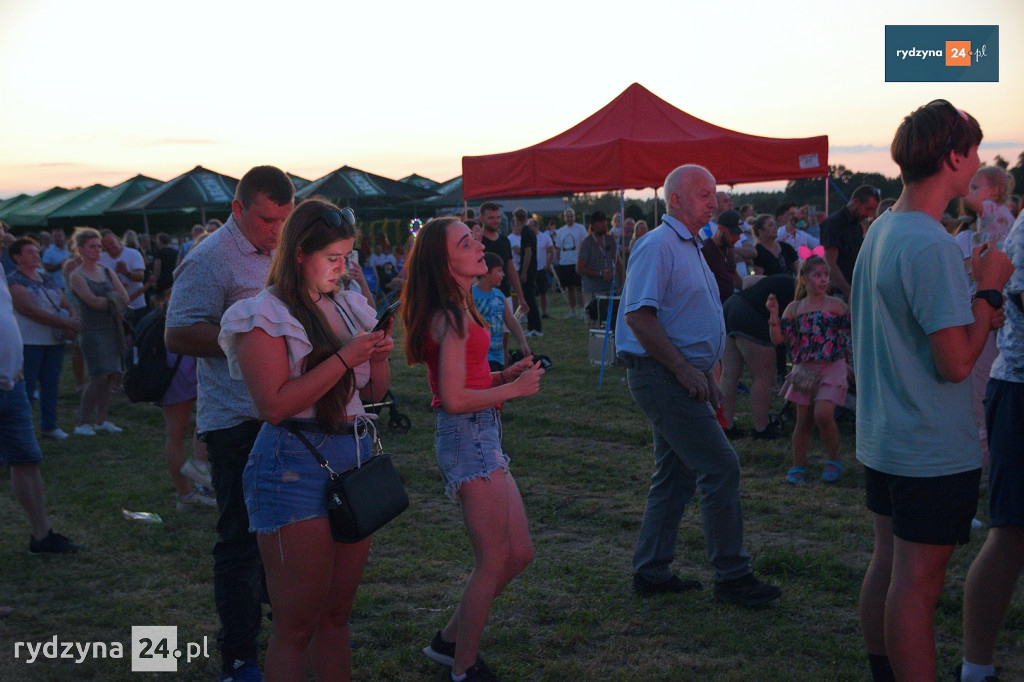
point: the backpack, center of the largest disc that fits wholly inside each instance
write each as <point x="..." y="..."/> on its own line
<point x="147" y="376"/>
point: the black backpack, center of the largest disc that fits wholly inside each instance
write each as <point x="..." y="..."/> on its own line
<point x="147" y="376"/>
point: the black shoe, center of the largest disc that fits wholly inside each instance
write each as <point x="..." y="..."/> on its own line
<point x="673" y="585"/>
<point x="479" y="672"/>
<point x="746" y="591"/>
<point x="767" y="434"/>
<point x="53" y="543"/>
<point x="734" y="433"/>
<point x="441" y="651"/>
<point x="959" y="667"/>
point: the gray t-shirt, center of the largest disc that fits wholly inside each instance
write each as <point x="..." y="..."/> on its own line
<point x="910" y="282"/>
<point x="224" y="268"/>
<point x="597" y="253"/>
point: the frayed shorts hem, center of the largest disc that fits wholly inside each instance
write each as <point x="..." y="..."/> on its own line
<point x="453" y="487"/>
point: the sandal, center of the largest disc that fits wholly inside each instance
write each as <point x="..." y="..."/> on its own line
<point x="833" y="470"/>
<point x="795" y="475"/>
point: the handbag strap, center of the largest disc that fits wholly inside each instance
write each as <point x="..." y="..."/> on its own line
<point x="363" y="424"/>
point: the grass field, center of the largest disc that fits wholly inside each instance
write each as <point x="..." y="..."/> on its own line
<point x="582" y="456"/>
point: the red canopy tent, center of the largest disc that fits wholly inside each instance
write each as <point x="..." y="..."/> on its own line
<point x="633" y="143"/>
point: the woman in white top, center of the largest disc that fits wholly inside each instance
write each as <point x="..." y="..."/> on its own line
<point x="307" y="358"/>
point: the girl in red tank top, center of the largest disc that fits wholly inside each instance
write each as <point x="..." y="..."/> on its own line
<point x="445" y="332"/>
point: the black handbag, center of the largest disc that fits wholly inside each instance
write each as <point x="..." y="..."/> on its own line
<point x="360" y="500"/>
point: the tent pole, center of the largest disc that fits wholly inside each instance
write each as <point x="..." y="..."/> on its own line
<point x="826" y="195"/>
<point x="655" y="207"/>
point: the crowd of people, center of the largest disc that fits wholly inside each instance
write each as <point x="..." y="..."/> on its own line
<point x="270" y="324"/>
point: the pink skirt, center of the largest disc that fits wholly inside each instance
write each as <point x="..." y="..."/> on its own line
<point x="832" y="386"/>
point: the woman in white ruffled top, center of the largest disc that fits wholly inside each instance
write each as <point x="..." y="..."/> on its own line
<point x="307" y="358"/>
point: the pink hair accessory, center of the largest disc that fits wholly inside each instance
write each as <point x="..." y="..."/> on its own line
<point x="806" y="253"/>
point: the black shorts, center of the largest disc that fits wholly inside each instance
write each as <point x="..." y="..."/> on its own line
<point x="542" y="282"/>
<point x="936" y="510"/>
<point x="568" y="276"/>
<point x="1004" y="405"/>
<point x="742" y="320"/>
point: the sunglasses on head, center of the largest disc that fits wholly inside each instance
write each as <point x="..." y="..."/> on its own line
<point x="336" y="217"/>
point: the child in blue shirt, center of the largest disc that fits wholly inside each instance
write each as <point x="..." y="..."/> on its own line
<point x="495" y="309"/>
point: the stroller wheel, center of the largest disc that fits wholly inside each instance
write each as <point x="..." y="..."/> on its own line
<point x="399" y="423"/>
<point x="775" y="425"/>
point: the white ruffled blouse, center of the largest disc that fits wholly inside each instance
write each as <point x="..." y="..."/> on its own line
<point x="269" y="313"/>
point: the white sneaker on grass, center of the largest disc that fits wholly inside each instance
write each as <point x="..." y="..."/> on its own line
<point x="56" y="434"/>
<point x="194" y="500"/>
<point x="108" y="427"/>
<point x="84" y="430"/>
<point x="198" y="474"/>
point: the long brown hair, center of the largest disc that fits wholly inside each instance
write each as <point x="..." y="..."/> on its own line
<point x="305" y="232"/>
<point x="430" y="288"/>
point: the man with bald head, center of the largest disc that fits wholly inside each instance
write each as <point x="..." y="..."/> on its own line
<point x="670" y="334"/>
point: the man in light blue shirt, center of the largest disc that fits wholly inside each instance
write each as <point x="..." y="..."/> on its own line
<point x="917" y="334"/>
<point x="670" y="334"/>
<point x="54" y="256"/>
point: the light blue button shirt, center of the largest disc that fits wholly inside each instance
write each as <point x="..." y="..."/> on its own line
<point x="668" y="273"/>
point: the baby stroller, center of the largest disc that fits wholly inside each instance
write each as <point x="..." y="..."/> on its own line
<point x="397" y="422"/>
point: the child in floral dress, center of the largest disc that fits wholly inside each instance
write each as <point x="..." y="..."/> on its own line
<point x="816" y="327"/>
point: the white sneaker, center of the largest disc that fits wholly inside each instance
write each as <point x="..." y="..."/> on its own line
<point x="196" y="474"/>
<point x="108" y="427"/>
<point x="195" y="499"/>
<point x="56" y="434"/>
<point x="84" y="430"/>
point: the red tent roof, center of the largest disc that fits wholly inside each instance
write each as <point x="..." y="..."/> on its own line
<point x="633" y="143"/>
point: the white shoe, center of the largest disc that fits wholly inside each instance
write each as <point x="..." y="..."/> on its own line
<point x="572" y="316"/>
<point x="195" y="499"/>
<point x="56" y="434"/>
<point x="108" y="427"/>
<point x="84" y="430"/>
<point x="196" y="474"/>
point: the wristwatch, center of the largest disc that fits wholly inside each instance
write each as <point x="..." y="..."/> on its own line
<point x="991" y="296"/>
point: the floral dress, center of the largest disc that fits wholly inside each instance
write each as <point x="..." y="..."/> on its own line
<point x="819" y="342"/>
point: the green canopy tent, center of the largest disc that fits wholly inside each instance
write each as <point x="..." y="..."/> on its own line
<point x="420" y="181"/>
<point x="198" y="189"/>
<point x="11" y="205"/>
<point x="93" y="205"/>
<point x="359" y="189"/>
<point x="22" y="215"/>
<point x="39" y="212"/>
<point x="298" y="182"/>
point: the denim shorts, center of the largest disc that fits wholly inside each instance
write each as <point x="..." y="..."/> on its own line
<point x="468" y="446"/>
<point x="1004" y="403"/>
<point x="282" y="480"/>
<point x="18" y="444"/>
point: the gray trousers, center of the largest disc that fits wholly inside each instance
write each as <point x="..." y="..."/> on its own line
<point x="690" y="450"/>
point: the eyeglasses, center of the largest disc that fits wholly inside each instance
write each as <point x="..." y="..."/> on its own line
<point x="335" y="218"/>
<point x="960" y="115"/>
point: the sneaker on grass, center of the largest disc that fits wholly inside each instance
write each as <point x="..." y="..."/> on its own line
<point x="84" y="430"/>
<point x="746" y="591"/>
<point x="198" y="474"/>
<point x="194" y="500"/>
<point x="108" y="427"/>
<point x="53" y="543"/>
<point x="440" y="651"/>
<point x="56" y="434"/>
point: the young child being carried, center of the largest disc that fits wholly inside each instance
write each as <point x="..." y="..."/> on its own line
<point x="816" y="327"/>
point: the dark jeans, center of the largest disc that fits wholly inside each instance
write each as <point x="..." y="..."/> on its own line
<point x="43" y="365"/>
<point x="238" y="582"/>
<point x="530" y="296"/>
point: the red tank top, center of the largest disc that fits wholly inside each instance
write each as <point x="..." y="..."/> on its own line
<point x="478" y="372"/>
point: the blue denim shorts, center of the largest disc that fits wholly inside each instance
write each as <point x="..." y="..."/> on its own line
<point x="18" y="444"/>
<point x="468" y="446"/>
<point x="282" y="481"/>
